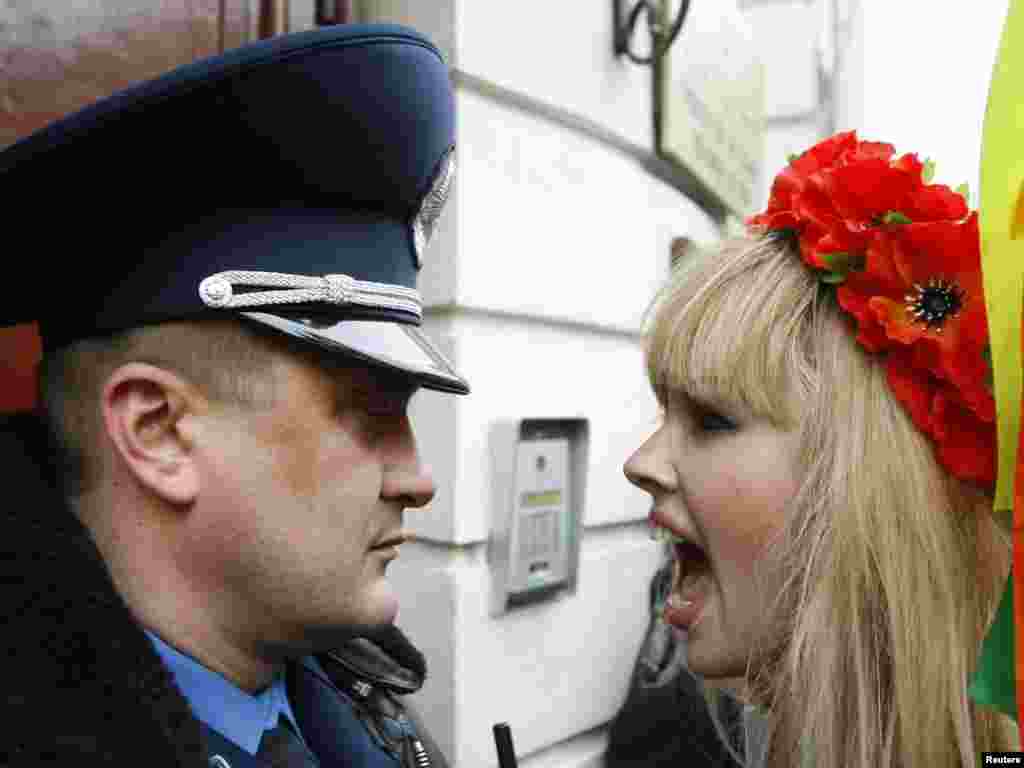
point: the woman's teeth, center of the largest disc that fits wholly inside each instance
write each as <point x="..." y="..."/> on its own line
<point x="661" y="533"/>
<point x="675" y="601"/>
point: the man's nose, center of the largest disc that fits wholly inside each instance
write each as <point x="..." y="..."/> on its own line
<point x="410" y="484"/>
<point x="407" y="479"/>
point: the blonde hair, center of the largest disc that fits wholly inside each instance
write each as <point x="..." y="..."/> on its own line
<point x="227" y="361"/>
<point x="891" y="568"/>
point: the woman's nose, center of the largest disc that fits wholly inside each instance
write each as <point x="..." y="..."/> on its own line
<point x="648" y="470"/>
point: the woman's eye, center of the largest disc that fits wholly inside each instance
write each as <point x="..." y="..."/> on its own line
<point x="710" y="421"/>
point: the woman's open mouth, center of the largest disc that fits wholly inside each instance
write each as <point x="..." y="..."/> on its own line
<point x="691" y="578"/>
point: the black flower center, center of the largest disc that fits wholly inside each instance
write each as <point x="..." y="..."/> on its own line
<point x="932" y="304"/>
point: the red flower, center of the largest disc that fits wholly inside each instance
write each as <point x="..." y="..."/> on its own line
<point x="908" y="258"/>
<point x="937" y="265"/>
<point x="879" y="277"/>
<point x="835" y="193"/>
<point x="965" y="442"/>
<point x="791" y="181"/>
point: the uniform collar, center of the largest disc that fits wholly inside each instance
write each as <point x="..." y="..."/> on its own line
<point x="236" y="714"/>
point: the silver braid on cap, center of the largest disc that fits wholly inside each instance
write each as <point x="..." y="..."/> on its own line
<point x="280" y="288"/>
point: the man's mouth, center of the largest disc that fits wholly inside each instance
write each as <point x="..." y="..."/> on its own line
<point x="393" y="541"/>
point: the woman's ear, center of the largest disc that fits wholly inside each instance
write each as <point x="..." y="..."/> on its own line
<point x="146" y="411"/>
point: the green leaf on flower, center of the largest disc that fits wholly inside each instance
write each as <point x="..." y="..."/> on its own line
<point x="986" y="353"/>
<point x="928" y="172"/>
<point x="895" y="217"/>
<point x="843" y="262"/>
<point x="836" y="260"/>
<point x="792" y="156"/>
<point x="964" y="191"/>
<point x="833" y="278"/>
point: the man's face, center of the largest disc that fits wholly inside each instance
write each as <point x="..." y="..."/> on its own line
<point x="295" y="501"/>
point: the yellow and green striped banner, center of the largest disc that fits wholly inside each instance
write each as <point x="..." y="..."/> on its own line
<point x="1001" y="670"/>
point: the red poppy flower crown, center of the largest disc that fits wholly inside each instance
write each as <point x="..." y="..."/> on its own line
<point x="905" y="258"/>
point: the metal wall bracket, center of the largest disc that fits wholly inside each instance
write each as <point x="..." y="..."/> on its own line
<point x="662" y="34"/>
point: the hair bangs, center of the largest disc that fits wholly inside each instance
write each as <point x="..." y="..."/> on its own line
<point x="729" y="330"/>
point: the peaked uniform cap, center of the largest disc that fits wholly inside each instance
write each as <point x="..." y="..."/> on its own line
<point x="293" y="182"/>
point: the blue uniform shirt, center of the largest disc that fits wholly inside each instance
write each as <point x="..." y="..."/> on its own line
<point x="236" y="714"/>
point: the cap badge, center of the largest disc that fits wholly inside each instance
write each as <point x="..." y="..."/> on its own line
<point x="425" y="220"/>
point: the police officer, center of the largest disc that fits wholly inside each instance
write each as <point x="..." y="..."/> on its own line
<point x="223" y="265"/>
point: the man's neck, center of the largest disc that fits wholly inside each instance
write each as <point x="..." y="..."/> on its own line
<point x="138" y="550"/>
<point x="163" y="601"/>
<point x="246" y="672"/>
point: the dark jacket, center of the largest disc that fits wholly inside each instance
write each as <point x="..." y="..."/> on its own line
<point x="664" y="721"/>
<point x="83" y="685"/>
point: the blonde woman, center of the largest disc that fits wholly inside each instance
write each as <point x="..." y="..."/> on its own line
<point x="825" y="464"/>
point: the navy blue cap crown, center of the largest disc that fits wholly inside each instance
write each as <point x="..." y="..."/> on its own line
<point x="322" y="153"/>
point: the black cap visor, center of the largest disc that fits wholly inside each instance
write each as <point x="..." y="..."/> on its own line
<point x="397" y="346"/>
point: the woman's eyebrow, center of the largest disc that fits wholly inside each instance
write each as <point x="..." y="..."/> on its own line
<point x="707" y="401"/>
<point x="685" y="396"/>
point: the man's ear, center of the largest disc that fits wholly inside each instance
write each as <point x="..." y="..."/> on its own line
<point x="147" y="413"/>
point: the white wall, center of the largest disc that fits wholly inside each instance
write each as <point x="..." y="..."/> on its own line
<point x="788" y="36"/>
<point x="926" y="70"/>
<point x="549" y="252"/>
<point x="552" y="250"/>
<point x="557" y="52"/>
<point x="913" y="73"/>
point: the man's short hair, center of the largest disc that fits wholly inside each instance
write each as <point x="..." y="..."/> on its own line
<point x="227" y="361"/>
